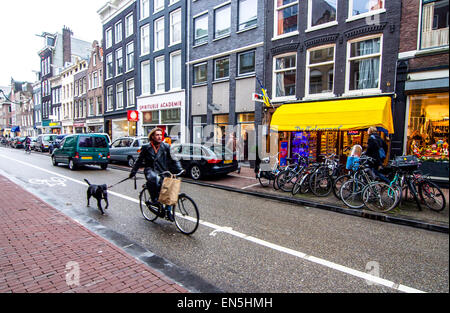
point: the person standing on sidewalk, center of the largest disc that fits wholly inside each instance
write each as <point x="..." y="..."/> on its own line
<point x="376" y="148"/>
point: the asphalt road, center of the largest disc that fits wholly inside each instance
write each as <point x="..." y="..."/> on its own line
<point x="249" y="244"/>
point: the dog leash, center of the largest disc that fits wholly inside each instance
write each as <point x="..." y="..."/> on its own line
<point x="119" y="182"/>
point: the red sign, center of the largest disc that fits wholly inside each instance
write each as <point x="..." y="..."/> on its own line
<point x="133" y="115"/>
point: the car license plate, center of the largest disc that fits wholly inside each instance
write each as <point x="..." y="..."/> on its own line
<point x="227" y="161"/>
<point x="86" y="158"/>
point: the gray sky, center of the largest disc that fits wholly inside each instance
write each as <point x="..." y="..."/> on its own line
<point x="22" y="19"/>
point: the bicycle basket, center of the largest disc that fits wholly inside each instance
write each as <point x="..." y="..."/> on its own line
<point x="352" y="163"/>
<point x="407" y="162"/>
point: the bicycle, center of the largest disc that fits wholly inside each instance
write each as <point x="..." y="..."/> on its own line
<point x="28" y="148"/>
<point x="285" y="179"/>
<point x="321" y="180"/>
<point x="265" y="177"/>
<point x="184" y="214"/>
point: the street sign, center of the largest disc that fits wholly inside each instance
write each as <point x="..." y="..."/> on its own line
<point x="257" y="97"/>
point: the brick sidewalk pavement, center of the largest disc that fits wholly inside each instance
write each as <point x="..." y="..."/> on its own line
<point x="44" y="251"/>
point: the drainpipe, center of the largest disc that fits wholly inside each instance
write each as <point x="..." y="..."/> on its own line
<point x="188" y="89"/>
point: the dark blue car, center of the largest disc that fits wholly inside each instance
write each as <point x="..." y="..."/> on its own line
<point x="56" y="143"/>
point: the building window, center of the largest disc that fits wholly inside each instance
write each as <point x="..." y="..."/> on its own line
<point x="363" y="64"/>
<point x="159" y="75"/>
<point x="145" y="77"/>
<point x="200" y="71"/>
<point x="434" y="24"/>
<point x="130" y="56"/>
<point x="175" y="70"/>
<point x="109" y="66"/>
<point x="320" y="63"/>
<point x="159" y="34"/>
<point x="91" y="107"/>
<point x="321" y="12"/>
<point x="173" y="1"/>
<point x="119" y="62"/>
<point x="110" y="98"/>
<point x="119" y="96"/>
<point x="285" y="70"/>
<point x="158" y="5"/>
<point x="130" y="93"/>
<point x="175" y="27"/>
<point x="201" y="29"/>
<point x="286" y="16"/>
<point x="358" y="7"/>
<point x="108" y="36"/>
<point x="94" y="80"/>
<point x="99" y="105"/>
<point x="145" y="39"/>
<point x="222" y="21"/>
<point x="222" y="68"/>
<point x="129" y="25"/>
<point x="118" y="32"/>
<point x="248" y="12"/>
<point x="246" y="63"/>
<point x="145" y="8"/>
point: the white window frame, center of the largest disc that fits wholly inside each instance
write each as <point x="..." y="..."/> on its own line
<point x="108" y="76"/>
<point x="173" y="2"/>
<point x="223" y="6"/>
<point x="145" y="27"/>
<point x="119" y="51"/>
<point x="348" y="60"/>
<point x="171" y="29"/>
<point x="215" y="73"/>
<point x="275" y="72"/>
<point x="175" y="53"/>
<point x="108" y="38"/>
<point x="119" y="100"/>
<point x="129" y="29"/>
<point x="143" y="12"/>
<point x="156" y="32"/>
<point x="275" y="18"/>
<point x="109" y="104"/>
<point x="158" y="59"/>
<point x="239" y="16"/>
<point x="351" y="17"/>
<point x="134" y="93"/>
<point x="157" y="9"/>
<point x="203" y="15"/>
<point x="131" y="43"/>
<point x="145" y="92"/>
<point x="311" y="28"/>
<point x="308" y="71"/>
<point x="118" y="39"/>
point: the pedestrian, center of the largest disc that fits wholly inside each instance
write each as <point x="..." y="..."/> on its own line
<point x="376" y="149"/>
<point x="156" y="158"/>
<point x="233" y="145"/>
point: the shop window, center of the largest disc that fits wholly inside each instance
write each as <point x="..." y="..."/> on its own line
<point x="359" y="7"/>
<point x="222" y="68"/>
<point x="285" y="68"/>
<point x="246" y="63"/>
<point x="434" y="24"/>
<point x="320" y="64"/>
<point x="171" y="116"/>
<point x="321" y="12"/>
<point x="248" y="12"/>
<point x="151" y="117"/>
<point x="222" y="21"/>
<point x="200" y="72"/>
<point x="364" y="59"/>
<point x="428" y="126"/>
<point x="286" y="17"/>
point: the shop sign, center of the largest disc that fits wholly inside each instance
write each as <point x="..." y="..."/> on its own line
<point x="161" y="102"/>
<point x="133" y="115"/>
<point x="78" y="124"/>
<point x="55" y="124"/>
<point x="283" y="152"/>
<point x="161" y="105"/>
<point x="95" y="121"/>
<point x="353" y="132"/>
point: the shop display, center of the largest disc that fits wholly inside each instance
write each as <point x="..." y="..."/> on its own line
<point x="328" y="143"/>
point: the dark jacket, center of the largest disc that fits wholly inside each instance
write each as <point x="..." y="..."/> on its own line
<point x="160" y="162"/>
<point x="373" y="145"/>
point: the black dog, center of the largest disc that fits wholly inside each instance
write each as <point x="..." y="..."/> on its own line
<point x="99" y="192"/>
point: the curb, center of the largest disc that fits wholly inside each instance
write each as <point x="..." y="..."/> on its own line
<point x="400" y="220"/>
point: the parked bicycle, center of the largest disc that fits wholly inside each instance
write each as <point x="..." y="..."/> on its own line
<point x="266" y="178"/>
<point x="321" y="180"/>
<point x="185" y="213"/>
<point x="288" y="177"/>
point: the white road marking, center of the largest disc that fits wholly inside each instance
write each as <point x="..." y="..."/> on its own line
<point x="260" y="242"/>
<point x="53" y="181"/>
<point x="253" y="185"/>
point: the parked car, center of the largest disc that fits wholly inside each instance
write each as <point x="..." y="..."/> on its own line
<point x="56" y="143"/>
<point x="43" y="142"/>
<point x="104" y="134"/>
<point x="82" y="149"/>
<point x="201" y="160"/>
<point x="18" y="142"/>
<point x="127" y="149"/>
<point x="33" y="144"/>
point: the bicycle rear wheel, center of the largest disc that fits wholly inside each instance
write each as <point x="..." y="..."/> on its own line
<point x="321" y="183"/>
<point x="351" y="194"/>
<point x="285" y="181"/>
<point x="380" y="197"/>
<point x="263" y="179"/>
<point x="186" y="215"/>
<point x="337" y="184"/>
<point x="150" y="212"/>
<point x="432" y="195"/>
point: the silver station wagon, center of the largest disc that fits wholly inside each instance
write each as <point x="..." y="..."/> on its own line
<point x="127" y="149"/>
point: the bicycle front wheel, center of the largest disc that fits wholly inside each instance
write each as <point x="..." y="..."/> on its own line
<point x="320" y="183"/>
<point x="337" y="184"/>
<point x="351" y="194"/>
<point x="432" y="195"/>
<point x="263" y="179"/>
<point x="186" y="215"/>
<point x="150" y="212"/>
<point x="380" y="197"/>
<point x="285" y="181"/>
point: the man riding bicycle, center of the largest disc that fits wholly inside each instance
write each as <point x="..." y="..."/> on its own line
<point x="156" y="158"/>
<point x="27" y="143"/>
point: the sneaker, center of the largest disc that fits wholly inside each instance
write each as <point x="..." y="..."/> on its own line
<point x="170" y="216"/>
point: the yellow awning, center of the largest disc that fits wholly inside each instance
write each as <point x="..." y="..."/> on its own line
<point x="331" y="115"/>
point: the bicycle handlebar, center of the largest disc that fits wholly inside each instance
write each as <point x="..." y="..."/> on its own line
<point x="169" y="173"/>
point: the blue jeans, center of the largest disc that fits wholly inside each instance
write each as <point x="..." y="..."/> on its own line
<point x="381" y="176"/>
